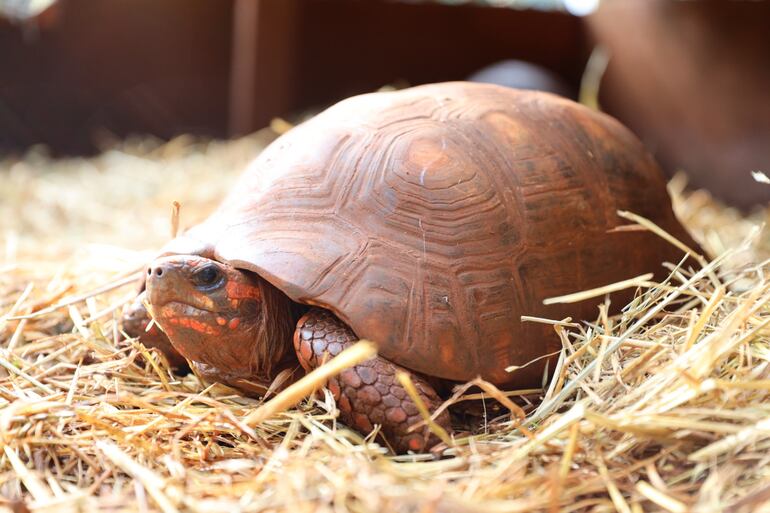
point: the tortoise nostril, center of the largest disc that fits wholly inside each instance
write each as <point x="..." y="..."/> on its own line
<point x="149" y="271"/>
<point x="158" y="271"/>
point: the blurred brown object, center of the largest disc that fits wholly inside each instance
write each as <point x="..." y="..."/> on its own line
<point x="82" y="70"/>
<point x="297" y="54"/>
<point x="692" y="79"/>
<point x="102" y="69"/>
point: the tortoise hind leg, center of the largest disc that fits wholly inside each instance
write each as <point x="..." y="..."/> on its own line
<point x="368" y="393"/>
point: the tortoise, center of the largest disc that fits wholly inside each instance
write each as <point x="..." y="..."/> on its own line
<point x="429" y="220"/>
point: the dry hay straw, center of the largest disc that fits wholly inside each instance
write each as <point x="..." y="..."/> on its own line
<point x="667" y="414"/>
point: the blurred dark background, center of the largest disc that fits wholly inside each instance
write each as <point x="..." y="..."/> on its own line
<point x="692" y="79"/>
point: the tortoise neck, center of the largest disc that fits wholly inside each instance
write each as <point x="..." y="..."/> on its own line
<point x="274" y="338"/>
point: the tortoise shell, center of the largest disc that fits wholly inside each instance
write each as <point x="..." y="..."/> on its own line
<point x="431" y="219"/>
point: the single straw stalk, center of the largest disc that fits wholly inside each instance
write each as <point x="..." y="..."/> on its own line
<point x="294" y="393"/>
<point x="152" y="482"/>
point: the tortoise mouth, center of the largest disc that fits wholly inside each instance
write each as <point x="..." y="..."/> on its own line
<point x="195" y="323"/>
<point x="183" y="309"/>
<point x="187" y="309"/>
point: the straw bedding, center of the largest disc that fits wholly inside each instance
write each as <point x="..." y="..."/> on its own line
<point x="663" y="408"/>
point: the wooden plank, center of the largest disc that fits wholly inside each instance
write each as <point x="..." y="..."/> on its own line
<point x="264" y="62"/>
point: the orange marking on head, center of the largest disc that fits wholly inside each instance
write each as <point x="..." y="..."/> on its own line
<point x="193" y="324"/>
<point x="415" y="444"/>
<point x="204" y="300"/>
<point x="202" y="327"/>
<point x="234" y="322"/>
<point x="221" y="321"/>
<point x="237" y="290"/>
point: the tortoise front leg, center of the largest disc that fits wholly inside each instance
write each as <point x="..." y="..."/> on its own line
<point x="368" y="393"/>
<point x="135" y="320"/>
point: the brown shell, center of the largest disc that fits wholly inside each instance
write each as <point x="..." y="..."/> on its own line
<point x="431" y="219"/>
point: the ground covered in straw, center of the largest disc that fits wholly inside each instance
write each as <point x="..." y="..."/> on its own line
<point x="664" y="408"/>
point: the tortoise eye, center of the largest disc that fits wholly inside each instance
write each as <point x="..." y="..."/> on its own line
<point x="208" y="277"/>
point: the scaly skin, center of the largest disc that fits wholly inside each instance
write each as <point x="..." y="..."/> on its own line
<point x="368" y="393"/>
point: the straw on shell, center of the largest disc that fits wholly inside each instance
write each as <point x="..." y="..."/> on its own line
<point x="662" y="408"/>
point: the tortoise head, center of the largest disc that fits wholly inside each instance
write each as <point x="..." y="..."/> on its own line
<point x="227" y="319"/>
